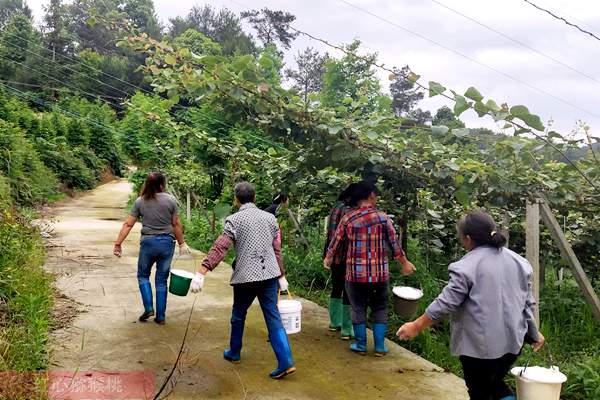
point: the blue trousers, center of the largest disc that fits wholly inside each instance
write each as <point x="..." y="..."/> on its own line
<point x="243" y="296"/>
<point x="157" y="250"/>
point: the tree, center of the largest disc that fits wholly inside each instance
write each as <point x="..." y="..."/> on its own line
<point x="445" y="116"/>
<point x="142" y="13"/>
<point x="197" y="42"/>
<point x="9" y="7"/>
<point x="223" y="27"/>
<point x="272" y="26"/>
<point x="351" y="79"/>
<point x="405" y="97"/>
<point x="308" y="77"/>
<point x="18" y="41"/>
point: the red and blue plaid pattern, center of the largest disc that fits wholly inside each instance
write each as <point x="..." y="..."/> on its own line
<point x="368" y="233"/>
<point x="336" y="215"/>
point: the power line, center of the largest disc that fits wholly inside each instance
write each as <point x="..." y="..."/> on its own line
<point x="562" y="19"/>
<point x="516" y="41"/>
<point x="423" y="37"/>
<point x="55" y="79"/>
<point x="56" y="89"/>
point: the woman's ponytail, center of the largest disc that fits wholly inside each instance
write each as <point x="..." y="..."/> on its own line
<point x="482" y="229"/>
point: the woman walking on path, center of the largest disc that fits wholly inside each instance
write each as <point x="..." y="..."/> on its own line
<point x="369" y="233"/>
<point x="340" y="317"/>
<point x="491" y="303"/>
<point x="256" y="237"/>
<point x="160" y="226"/>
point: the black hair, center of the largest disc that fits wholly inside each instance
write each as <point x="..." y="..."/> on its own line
<point x="244" y="192"/>
<point x="281" y="197"/>
<point x="362" y="191"/>
<point x="482" y="229"/>
<point x="346" y="194"/>
<point x="155" y="183"/>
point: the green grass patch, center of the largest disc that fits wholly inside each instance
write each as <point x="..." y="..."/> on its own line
<point x="25" y="296"/>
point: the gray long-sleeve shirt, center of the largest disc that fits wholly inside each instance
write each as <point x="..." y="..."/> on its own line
<point x="490" y="301"/>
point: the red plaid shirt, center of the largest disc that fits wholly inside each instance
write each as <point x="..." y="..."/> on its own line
<point x="368" y="232"/>
<point x="337" y="212"/>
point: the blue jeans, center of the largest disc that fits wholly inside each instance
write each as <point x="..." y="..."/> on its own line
<point x="157" y="249"/>
<point x="266" y="291"/>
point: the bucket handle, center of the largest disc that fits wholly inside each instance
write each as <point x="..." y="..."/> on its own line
<point x="177" y="257"/>
<point x="289" y="295"/>
<point x="550" y="357"/>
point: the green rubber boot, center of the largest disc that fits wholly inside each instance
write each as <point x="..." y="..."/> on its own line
<point x="335" y="314"/>
<point x="347" y="331"/>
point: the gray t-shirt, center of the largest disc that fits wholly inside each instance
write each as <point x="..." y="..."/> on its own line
<point x="156" y="214"/>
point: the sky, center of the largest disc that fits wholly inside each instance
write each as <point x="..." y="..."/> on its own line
<point x="561" y="85"/>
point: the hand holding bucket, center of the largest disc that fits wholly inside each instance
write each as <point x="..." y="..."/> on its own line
<point x="291" y="313"/>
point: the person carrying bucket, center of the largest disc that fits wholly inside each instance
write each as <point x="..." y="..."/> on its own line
<point x="259" y="271"/>
<point x="490" y="300"/>
<point x="340" y="318"/>
<point x="160" y="226"/>
<point x="369" y="233"/>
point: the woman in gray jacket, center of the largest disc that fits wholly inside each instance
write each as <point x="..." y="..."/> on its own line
<point x="490" y="301"/>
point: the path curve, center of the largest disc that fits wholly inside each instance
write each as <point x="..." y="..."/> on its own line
<point x="107" y="336"/>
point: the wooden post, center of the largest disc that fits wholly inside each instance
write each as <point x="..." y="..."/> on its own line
<point x="297" y="226"/>
<point x="532" y="252"/>
<point x="506" y="225"/>
<point x="188" y="207"/>
<point x="569" y="255"/>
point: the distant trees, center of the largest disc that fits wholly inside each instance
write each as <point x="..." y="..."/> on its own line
<point x="10" y="7"/>
<point x="272" y="26"/>
<point x="308" y="75"/>
<point x="223" y="27"/>
<point x="405" y="97"/>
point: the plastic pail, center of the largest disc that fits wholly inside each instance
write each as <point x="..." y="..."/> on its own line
<point x="406" y="300"/>
<point x="538" y="383"/>
<point x="291" y="315"/>
<point x="180" y="282"/>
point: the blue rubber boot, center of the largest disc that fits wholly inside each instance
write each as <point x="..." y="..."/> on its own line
<point x="283" y="352"/>
<point x="161" y="304"/>
<point x="146" y="292"/>
<point x="233" y="353"/>
<point x="360" y="339"/>
<point x="379" y="331"/>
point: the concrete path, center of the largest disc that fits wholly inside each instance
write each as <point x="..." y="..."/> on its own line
<point x="107" y="336"/>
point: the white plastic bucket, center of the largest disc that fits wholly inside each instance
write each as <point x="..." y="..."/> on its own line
<point x="291" y="315"/>
<point x="406" y="300"/>
<point x="538" y="383"/>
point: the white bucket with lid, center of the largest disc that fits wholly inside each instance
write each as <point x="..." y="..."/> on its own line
<point x="291" y="315"/>
<point x="538" y="383"/>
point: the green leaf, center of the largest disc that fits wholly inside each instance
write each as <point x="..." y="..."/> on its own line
<point x="334" y="130"/>
<point x="492" y="106"/>
<point x="461" y="105"/>
<point x="170" y="60"/>
<point x="533" y="121"/>
<point x="434" y="214"/>
<point x="519" y="110"/>
<point x="461" y="132"/>
<point x="462" y="196"/>
<point x="555" y="135"/>
<point x="439" y="130"/>
<point x="372" y="135"/>
<point x="473" y="94"/>
<point x="222" y="210"/>
<point x="480" y="109"/>
<point x="91" y="21"/>
<point x="435" y="89"/>
<point x="272" y="152"/>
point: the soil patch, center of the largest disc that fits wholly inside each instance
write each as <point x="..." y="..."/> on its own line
<point x="65" y="310"/>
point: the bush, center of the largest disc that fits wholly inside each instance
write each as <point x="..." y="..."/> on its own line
<point x="70" y="169"/>
<point x="29" y="179"/>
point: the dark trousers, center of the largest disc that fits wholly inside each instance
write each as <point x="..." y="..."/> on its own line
<point x="338" y="283"/>
<point x="243" y="296"/>
<point x="485" y="378"/>
<point x="364" y="296"/>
